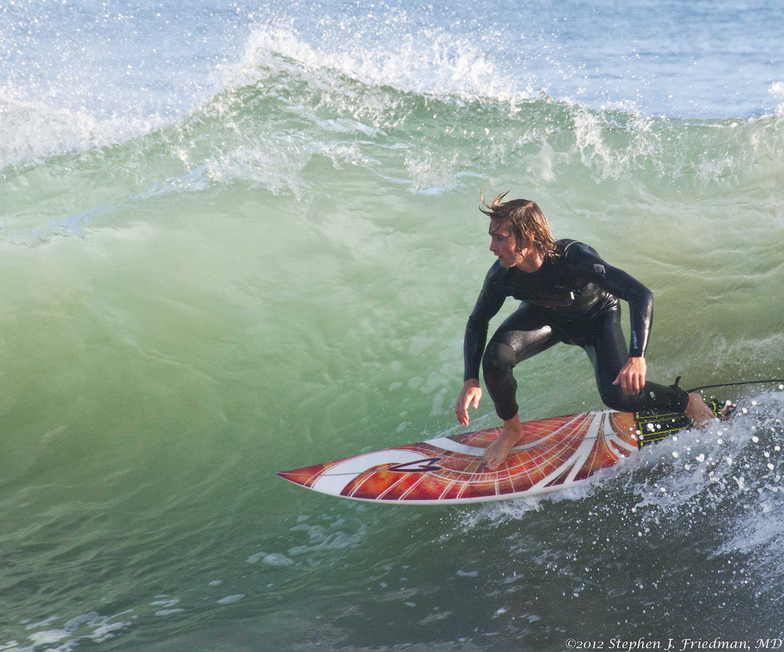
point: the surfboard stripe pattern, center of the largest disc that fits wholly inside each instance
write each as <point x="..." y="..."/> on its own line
<point x="555" y="453"/>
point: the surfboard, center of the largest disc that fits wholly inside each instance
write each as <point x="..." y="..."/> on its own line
<point x="559" y="452"/>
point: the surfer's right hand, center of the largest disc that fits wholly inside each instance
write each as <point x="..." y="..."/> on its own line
<point x="470" y="395"/>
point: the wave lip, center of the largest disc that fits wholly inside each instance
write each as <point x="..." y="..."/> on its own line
<point x="31" y="132"/>
<point x="426" y="61"/>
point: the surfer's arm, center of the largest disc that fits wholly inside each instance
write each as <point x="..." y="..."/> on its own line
<point x="631" y="377"/>
<point x="590" y="266"/>
<point x="487" y="305"/>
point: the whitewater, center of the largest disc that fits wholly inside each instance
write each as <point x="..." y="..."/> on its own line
<point x="241" y="238"/>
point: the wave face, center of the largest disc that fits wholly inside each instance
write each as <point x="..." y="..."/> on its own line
<point x="236" y="241"/>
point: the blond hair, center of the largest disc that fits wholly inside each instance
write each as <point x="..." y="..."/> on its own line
<point x="527" y="220"/>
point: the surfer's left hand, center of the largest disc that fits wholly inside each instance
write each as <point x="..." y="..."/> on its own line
<point x="632" y="377"/>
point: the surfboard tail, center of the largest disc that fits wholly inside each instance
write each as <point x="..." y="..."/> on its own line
<point x="655" y="426"/>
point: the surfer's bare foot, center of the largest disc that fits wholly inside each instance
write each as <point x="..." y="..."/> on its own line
<point x="698" y="412"/>
<point x="497" y="452"/>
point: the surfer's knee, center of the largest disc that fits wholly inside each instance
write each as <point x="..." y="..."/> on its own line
<point x="614" y="398"/>
<point x="497" y="364"/>
<point x="651" y="397"/>
<point x="498" y="360"/>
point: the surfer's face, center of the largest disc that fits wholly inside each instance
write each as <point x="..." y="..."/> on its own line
<point x="503" y="244"/>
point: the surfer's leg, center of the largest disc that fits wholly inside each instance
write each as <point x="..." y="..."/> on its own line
<point x="607" y="350"/>
<point x="497" y="452"/>
<point x="522" y="335"/>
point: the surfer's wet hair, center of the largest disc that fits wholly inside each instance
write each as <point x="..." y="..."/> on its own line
<point x="527" y="220"/>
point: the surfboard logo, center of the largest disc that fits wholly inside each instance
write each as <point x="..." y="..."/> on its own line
<point x="599" y="269"/>
<point x="420" y="466"/>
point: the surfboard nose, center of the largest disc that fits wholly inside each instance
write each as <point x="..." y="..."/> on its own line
<point x="305" y="476"/>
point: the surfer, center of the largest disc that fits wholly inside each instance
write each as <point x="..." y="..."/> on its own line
<point x="569" y="294"/>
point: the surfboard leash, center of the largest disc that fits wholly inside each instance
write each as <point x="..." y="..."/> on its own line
<point x="742" y="382"/>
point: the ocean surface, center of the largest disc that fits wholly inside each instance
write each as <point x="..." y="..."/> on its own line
<point x="238" y="238"/>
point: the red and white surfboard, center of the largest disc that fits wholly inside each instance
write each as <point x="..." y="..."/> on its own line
<point x="447" y="470"/>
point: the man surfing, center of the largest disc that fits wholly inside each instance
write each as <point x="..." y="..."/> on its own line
<point x="570" y="295"/>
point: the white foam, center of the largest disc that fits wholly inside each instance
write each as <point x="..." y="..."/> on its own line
<point x="48" y="637"/>
<point x="31" y="132"/>
<point x="92" y="626"/>
<point x="429" y="61"/>
<point x="329" y="537"/>
<point x="231" y="599"/>
<point x="777" y="89"/>
<point x="271" y="559"/>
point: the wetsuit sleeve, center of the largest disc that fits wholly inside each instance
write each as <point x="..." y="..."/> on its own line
<point x="586" y="263"/>
<point x="487" y="306"/>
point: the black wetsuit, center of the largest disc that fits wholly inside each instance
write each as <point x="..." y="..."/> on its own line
<point x="571" y="298"/>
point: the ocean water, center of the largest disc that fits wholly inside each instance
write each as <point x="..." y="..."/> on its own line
<point x="239" y="238"/>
